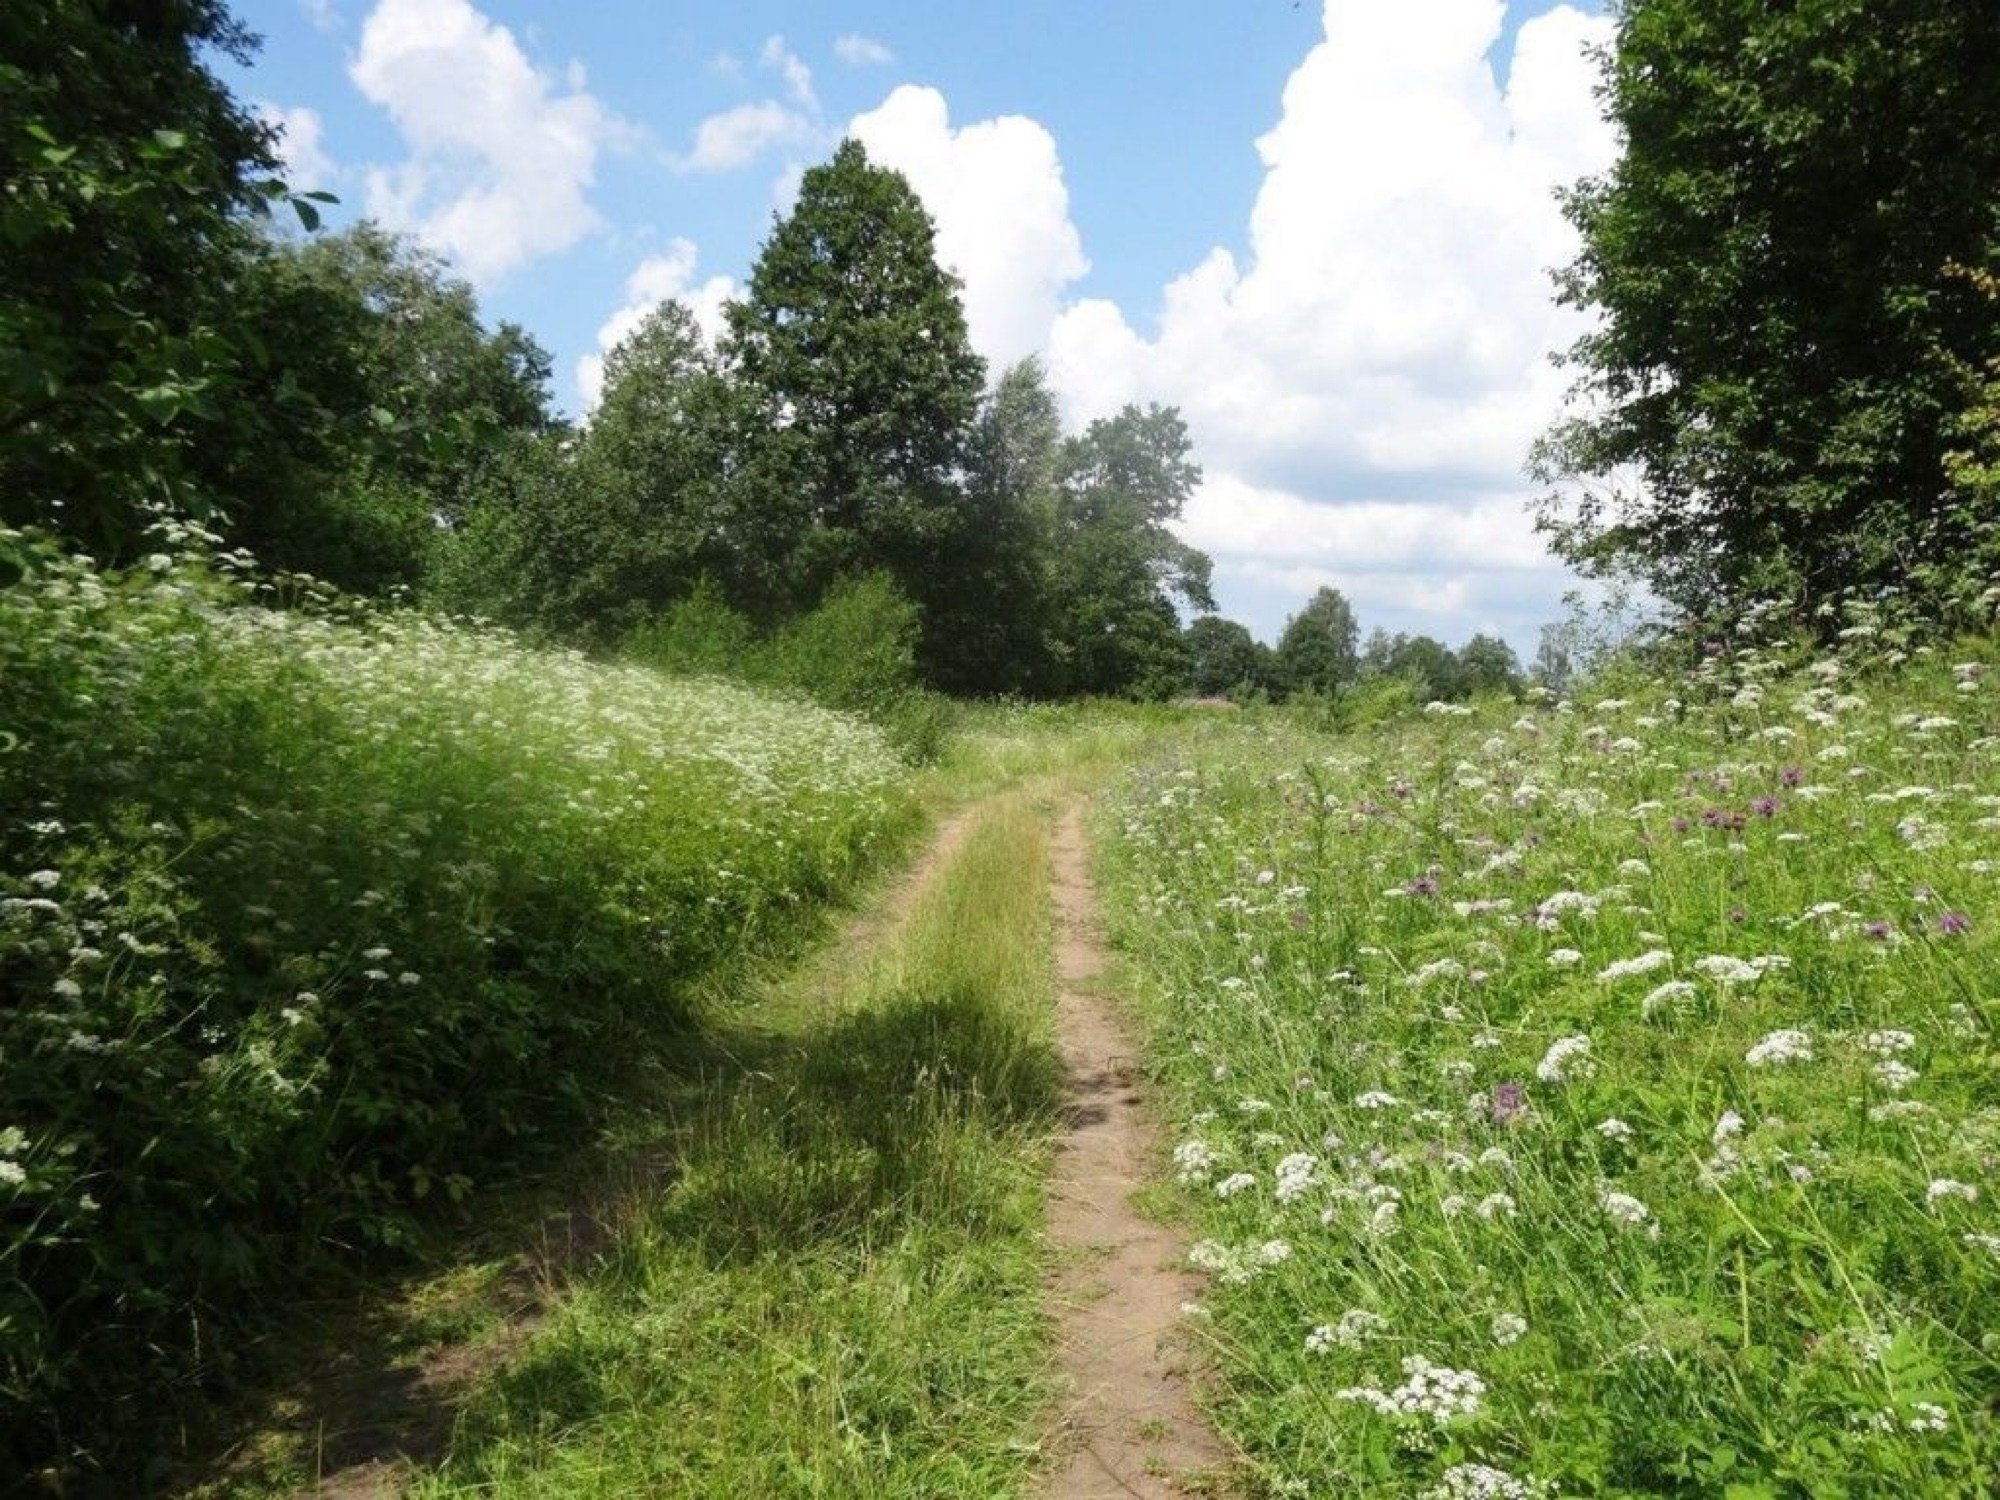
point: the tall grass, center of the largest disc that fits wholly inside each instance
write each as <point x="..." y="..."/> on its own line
<point x="306" y="919"/>
<point x="838" y="1295"/>
<point x="1598" y="1097"/>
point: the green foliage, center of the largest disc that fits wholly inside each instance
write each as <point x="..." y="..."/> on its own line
<point x="305" y="921"/>
<point x="1318" y="651"/>
<point x="1225" y="660"/>
<point x="1784" y="327"/>
<point x="128" y="168"/>
<point x="1629" y="1063"/>
<point x="1117" y="569"/>
<point x="389" y="400"/>
<point x="851" y="345"/>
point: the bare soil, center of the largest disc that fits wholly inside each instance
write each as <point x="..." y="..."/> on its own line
<point x="1131" y="1427"/>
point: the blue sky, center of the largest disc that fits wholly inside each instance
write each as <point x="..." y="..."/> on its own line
<point x="1322" y="231"/>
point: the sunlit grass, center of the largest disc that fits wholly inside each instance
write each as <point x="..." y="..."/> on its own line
<point x="1596" y="1095"/>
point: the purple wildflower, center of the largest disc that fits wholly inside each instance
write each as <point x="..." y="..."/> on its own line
<point x="1952" y="923"/>
<point x="1792" y="775"/>
<point x="1879" y="931"/>
<point x="1766" y="807"/>
<point x="1423" y="885"/>
<point x="1510" y="1101"/>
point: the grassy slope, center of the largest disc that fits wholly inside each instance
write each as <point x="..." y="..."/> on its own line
<point x="1680" y="1258"/>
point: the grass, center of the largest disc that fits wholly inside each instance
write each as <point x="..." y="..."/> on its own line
<point x="821" y="1273"/>
<point x="311" y="921"/>
<point x="1495" y="1203"/>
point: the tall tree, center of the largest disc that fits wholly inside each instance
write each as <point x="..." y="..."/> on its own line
<point x="853" y="340"/>
<point x="1777" y="272"/>
<point x="129" y="170"/>
<point x="1317" y="652"/>
<point x="1487" y="664"/>
<point x="386" y="400"/>
<point x="1119" y="569"/>
<point x="998" y="621"/>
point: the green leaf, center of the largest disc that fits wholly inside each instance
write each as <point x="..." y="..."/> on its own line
<point x="308" y="215"/>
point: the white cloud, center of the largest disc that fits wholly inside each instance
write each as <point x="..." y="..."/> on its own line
<point x="656" y="279"/>
<point x="324" y="14"/>
<point x="861" y="51"/>
<point x="736" y="137"/>
<point x="501" y="156"/>
<point x="1380" y="354"/>
<point x="301" y="145"/>
<point x="996" y="191"/>
<point x="791" y="67"/>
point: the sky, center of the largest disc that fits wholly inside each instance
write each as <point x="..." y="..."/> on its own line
<point x="1323" y="232"/>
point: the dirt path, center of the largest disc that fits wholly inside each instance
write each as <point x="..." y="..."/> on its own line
<point x="1131" y="1427"/>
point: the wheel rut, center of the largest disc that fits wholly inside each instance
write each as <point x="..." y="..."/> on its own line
<point x="1130" y="1425"/>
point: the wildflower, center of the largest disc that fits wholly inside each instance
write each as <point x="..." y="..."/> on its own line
<point x="1508" y="1328"/>
<point x="1728" y="971"/>
<point x="12" y="1173"/>
<point x="1726" y="1129"/>
<point x="45" y="880"/>
<point x="1376" y="1099"/>
<point x="1510" y="1101"/>
<point x="1894" y="1074"/>
<point x="1644" y="963"/>
<point x="1194" y="1160"/>
<point x="1496" y="1206"/>
<point x="1614" y="1129"/>
<point x="1779" y="1048"/>
<point x="1235" y="1183"/>
<point x="1566" y="1058"/>
<point x="1434" y="1392"/>
<point x="1673" y="991"/>
<point x="1484" y="1482"/>
<point x="1952" y="923"/>
<point x="1356" y="1325"/>
<point x="1296" y="1173"/>
<point x="1946" y="1187"/>
<point x="1564" y="958"/>
<point x="1624" y="1209"/>
<point x="1927" y="1416"/>
<point x="68" y="989"/>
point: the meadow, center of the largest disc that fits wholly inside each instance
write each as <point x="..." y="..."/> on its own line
<point x="315" y="916"/>
<point x="1593" y="1096"/>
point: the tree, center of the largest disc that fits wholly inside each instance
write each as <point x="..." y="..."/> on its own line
<point x="1224" y="659"/>
<point x="1316" y="653"/>
<point x="584" y="536"/>
<point x="129" y="170"/>
<point x="999" y="621"/>
<point x="1118" y="569"/>
<point x="1427" y="665"/>
<point x="852" y="341"/>
<point x="386" y="400"/>
<point x="1775" y="273"/>
<point x="1487" y="664"/>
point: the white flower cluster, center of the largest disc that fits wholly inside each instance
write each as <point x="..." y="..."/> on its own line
<point x="1296" y="1174"/>
<point x="1779" y="1048"/>
<point x="1484" y="1482"/>
<point x="1508" y="1328"/>
<point x="1234" y="1265"/>
<point x="1356" y="1325"/>
<point x="1644" y="963"/>
<point x="1435" y="1393"/>
<point x="1194" y="1160"/>
<point x="1624" y="1209"/>
<point x="1568" y="1057"/>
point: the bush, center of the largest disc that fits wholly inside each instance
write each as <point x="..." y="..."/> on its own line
<point x="304" y="921"/>
<point x="855" y="651"/>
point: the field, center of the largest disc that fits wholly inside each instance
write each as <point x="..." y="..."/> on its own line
<point x="1593" y="1097"/>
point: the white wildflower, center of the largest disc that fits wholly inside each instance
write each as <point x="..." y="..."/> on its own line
<point x="1567" y="1057"/>
<point x="1644" y="963"/>
<point x="1508" y="1328"/>
<point x="1779" y="1048"/>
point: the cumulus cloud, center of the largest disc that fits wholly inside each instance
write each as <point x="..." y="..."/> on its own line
<point x="501" y="155"/>
<point x="790" y="67"/>
<point x="301" y="145"/>
<point x="996" y="190"/>
<point x="1380" y="355"/>
<point x="736" y="137"/>
<point x="861" y="51"/>
<point x="669" y="276"/>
